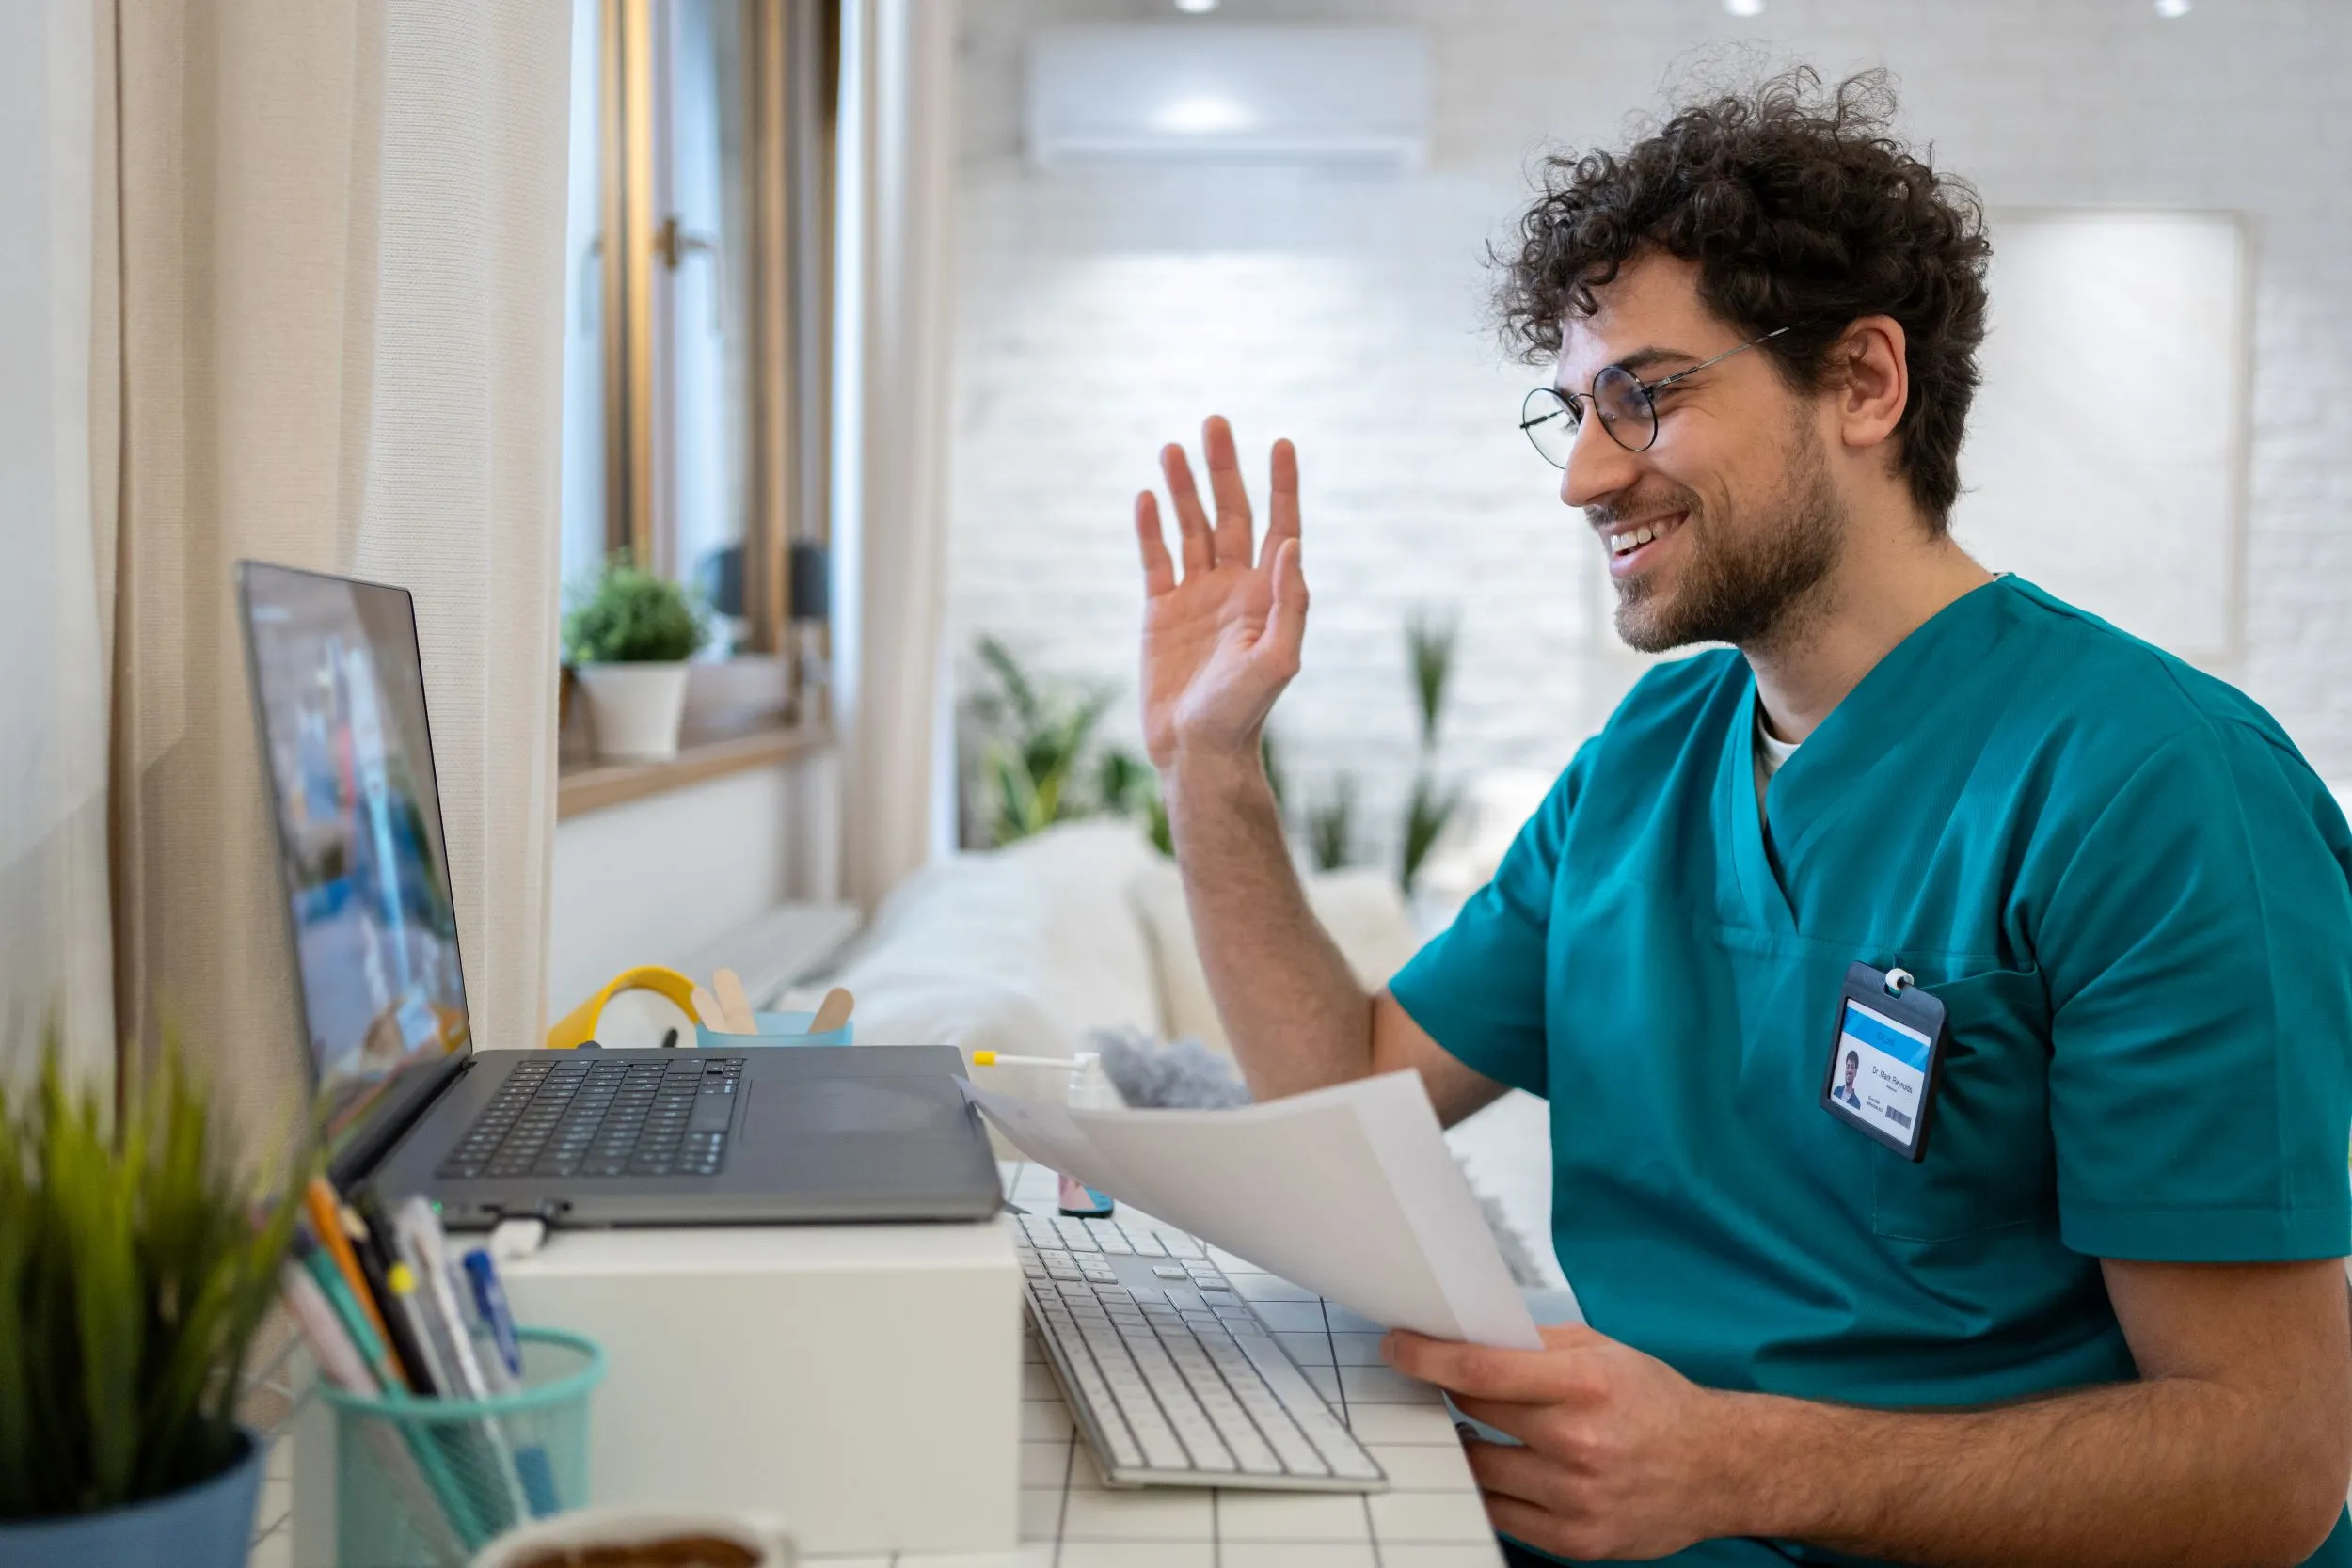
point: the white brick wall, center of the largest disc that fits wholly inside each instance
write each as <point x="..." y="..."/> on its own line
<point x="1100" y="314"/>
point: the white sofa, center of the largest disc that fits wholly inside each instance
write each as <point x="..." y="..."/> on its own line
<point x="1030" y="948"/>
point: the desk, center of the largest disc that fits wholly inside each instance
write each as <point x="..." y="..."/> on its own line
<point x="1430" y="1516"/>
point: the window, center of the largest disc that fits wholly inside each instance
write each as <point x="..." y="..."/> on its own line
<point x="695" y="430"/>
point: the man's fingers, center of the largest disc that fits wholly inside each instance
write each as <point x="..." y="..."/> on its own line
<point x="1286" y="623"/>
<point x="1232" y="496"/>
<point x="1525" y="1522"/>
<point x="1503" y="1471"/>
<point x="1281" y="507"/>
<point x="1159" y="572"/>
<point x="1191" y="522"/>
<point x="1518" y="1376"/>
<point x="1570" y="1336"/>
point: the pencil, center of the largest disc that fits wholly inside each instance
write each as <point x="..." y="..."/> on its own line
<point x="326" y="1214"/>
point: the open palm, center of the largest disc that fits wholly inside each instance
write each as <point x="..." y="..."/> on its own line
<point x="1221" y="642"/>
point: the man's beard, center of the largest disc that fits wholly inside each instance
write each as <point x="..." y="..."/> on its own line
<point x="1752" y="586"/>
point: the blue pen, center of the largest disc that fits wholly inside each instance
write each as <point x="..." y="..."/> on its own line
<point x="492" y="1317"/>
<point x="489" y="1299"/>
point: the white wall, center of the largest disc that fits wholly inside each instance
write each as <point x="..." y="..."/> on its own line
<point x="1102" y="313"/>
<point x="657" y="880"/>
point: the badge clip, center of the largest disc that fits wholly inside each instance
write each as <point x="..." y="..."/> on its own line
<point x="1886" y="1052"/>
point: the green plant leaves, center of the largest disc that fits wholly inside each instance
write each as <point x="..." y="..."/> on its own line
<point x="1429" y="640"/>
<point x="1331" y="826"/>
<point x="137" y="1262"/>
<point x="1039" y="761"/>
<point x="628" y="616"/>
<point x="1425" y="815"/>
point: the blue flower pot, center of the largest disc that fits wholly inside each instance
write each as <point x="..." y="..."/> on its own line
<point x="209" y="1524"/>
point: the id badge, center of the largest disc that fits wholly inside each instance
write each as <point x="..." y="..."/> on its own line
<point x="1884" y="1058"/>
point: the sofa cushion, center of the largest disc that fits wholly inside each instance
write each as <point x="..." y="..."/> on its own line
<point x="1359" y="906"/>
<point x="1022" y="949"/>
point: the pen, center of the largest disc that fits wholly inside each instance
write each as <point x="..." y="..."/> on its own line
<point x="371" y="1246"/>
<point x="340" y="1361"/>
<point x="324" y="1208"/>
<point x="489" y="1299"/>
<point x="386" y="1375"/>
<point x="426" y="1250"/>
<point x="404" y="1304"/>
<point x="362" y="1337"/>
<point x="502" y="1365"/>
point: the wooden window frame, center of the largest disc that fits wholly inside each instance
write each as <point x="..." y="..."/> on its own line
<point x="791" y="89"/>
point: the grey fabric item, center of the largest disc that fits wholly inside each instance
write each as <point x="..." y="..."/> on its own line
<point x="1185" y="1075"/>
<point x="1180" y="1075"/>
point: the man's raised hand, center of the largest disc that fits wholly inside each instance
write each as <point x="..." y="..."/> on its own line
<point x="1222" y="639"/>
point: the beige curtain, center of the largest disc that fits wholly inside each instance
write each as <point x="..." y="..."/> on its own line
<point x="55" y="961"/>
<point x="338" y="292"/>
<point x="896" y="161"/>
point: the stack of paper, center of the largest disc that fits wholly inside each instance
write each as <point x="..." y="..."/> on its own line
<point x="1350" y="1191"/>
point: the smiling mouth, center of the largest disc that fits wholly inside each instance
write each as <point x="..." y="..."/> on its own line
<point x="1625" y="544"/>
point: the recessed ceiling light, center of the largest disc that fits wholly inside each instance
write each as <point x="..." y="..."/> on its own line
<point x="1195" y="8"/>
<point x="1744" y="8"/>
<point x="2173" y="8"/>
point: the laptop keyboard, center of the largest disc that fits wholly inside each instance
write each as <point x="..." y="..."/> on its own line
<point x="581" y="1117"/>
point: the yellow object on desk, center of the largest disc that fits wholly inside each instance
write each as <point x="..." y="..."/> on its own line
<point x="999" y="1059"/>
<point x="579" y="1026"/>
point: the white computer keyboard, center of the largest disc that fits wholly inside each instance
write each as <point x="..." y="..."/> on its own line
<point x="1170" y="1375"/>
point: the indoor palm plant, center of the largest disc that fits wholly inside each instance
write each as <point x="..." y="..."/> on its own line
<point x="628" y="635"/>
<point x="138" y="1261"/>
<point x="1429" y="652"/>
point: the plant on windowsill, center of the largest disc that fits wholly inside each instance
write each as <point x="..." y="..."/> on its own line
<point x="629" y="634"/>
<point x="137" y="1262"/>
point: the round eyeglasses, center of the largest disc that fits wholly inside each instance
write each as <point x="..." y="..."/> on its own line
<point x="1627" y="409"/>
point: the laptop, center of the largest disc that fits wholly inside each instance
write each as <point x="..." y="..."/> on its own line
<point x="588" y="1137"/>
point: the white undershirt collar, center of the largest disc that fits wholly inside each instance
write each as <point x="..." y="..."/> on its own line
<point x="1770" y="751"/>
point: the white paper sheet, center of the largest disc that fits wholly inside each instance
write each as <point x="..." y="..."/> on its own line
<point x="1350" y="1191"/>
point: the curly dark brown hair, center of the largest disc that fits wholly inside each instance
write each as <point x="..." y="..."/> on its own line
<point x="1802" y="210"/>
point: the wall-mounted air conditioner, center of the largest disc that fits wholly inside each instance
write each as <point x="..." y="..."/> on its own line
<point x="1170" y="91"/>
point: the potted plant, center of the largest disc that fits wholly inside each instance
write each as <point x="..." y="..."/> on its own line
<point x="629" y="634"/>
<point x="136" y="1264"/>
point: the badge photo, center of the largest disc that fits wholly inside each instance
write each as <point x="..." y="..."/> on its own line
<point x="1884" y="1055"/>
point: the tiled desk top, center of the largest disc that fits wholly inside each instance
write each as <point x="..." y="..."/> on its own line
<point x="1430" y="1516"/>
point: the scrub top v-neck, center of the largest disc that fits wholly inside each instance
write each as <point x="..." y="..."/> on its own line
<point x="2132" y="897"/>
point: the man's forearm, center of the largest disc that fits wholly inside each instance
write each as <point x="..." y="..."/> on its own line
<point x="2137" y="1473"/>
<point x="1296" y="1016"/>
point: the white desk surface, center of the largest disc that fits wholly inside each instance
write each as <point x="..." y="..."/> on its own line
<point x="1430" y="1516"/>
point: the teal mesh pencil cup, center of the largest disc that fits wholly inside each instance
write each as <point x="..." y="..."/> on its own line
<point x="425" y="1484"/>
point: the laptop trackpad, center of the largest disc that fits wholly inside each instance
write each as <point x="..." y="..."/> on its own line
<point x="832" y="1107"/>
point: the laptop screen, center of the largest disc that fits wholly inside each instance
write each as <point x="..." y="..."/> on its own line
<point x="340" y="689"/>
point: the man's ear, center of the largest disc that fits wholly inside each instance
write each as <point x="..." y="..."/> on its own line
<point x="1872" y="378"/>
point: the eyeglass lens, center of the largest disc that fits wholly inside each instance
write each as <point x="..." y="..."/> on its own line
<point x="1551" y="421"/>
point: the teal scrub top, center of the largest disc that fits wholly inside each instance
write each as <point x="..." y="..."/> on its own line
<point x="2132" y="895"/>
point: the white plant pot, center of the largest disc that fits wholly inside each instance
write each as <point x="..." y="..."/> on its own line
<point x="636" y="708"/>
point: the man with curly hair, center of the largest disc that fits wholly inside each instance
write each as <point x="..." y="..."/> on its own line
<point x="2101" y="1319"/>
